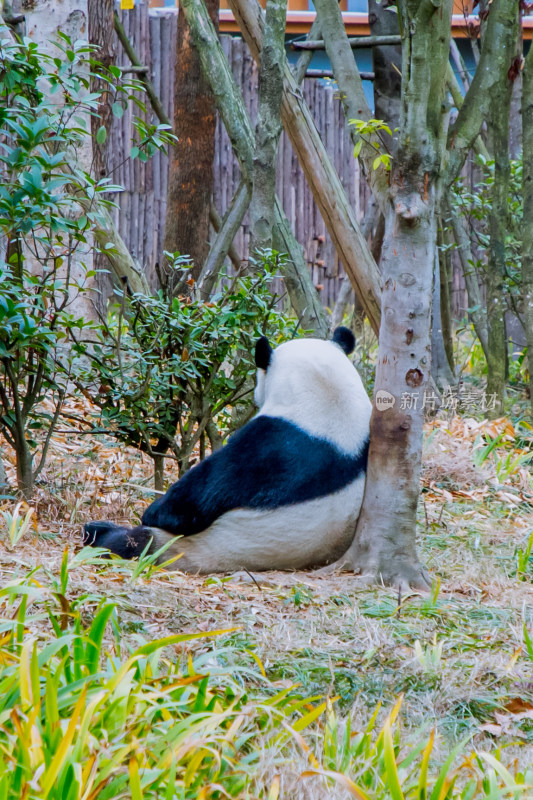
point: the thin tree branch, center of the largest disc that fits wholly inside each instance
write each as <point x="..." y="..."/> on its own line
<point x="216" y="222"/>
<point x="457" y="97"/>
<point x="223" y="240"/>
<point x="352" y="94"/>
<point x="132" y="55"/>
<point x="492" y="70"/>
<point x="230" y="104"/>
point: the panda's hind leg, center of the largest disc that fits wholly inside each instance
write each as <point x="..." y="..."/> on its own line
<point x="120" y="540"/>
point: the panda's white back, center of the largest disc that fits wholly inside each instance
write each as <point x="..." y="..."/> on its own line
<point x="313" y="384"/>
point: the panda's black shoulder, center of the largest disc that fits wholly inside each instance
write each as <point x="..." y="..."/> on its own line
<point x="270" y="463"/>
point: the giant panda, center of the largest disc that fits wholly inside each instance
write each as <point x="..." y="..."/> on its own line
<point x="285" y="492"/>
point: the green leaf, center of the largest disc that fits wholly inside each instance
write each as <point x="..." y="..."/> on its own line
<point x="393" y="779"/>
<point x="118" y="110"/>
<point x="95" y="636"/>
<point x="101" y="134"/>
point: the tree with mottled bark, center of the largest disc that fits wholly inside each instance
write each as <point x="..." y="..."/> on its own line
<point x="384" y="544"/>
<point x="190" y="181"/>
<point x="268" y="127"/>
<point x="498" y="129"/>
<point x="428" y="159"/>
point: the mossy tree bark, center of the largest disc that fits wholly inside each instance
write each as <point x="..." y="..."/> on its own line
<point x="230" y="104"/>
<point x="498" y="130"/>
<point x="490" y="72"/>
<point x="268" y="127"/>
<point x="320" y="173"/>
<point x="352" y="94"/>
<point x="527" y="190"/>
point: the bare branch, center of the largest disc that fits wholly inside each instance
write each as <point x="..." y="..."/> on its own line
<point x="496" y="56"/>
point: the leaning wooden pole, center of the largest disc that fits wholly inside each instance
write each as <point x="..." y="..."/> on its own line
<point x="322" y="178"/>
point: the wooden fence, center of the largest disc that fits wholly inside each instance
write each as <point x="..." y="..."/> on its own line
<point x="142" y="205"/>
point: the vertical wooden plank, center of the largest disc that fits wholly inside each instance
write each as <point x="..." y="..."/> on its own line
<point x="134" y="217"/>
<point x="155" y="72"/>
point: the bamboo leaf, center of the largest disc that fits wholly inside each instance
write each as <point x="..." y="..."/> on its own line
<point x="392" y="777"/>
<point x="95" y="636"/>
<point x="49" y="778"/>
<point x="423" y="777"/>
<point x="135" y="782"/>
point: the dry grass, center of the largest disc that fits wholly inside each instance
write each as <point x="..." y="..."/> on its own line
<point x="458" y="656"/>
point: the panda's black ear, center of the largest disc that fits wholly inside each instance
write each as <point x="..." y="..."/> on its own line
<point x="345" y="339"/>
<point x="263" y="353"/>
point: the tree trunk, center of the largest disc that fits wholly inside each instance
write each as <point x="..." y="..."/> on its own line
<point x="190" y="180"/>
<point x="445" y="277"/>
<point x="440" y="367"/>
<point x="101" y="34"/>
<point x="476" y="308"/>
<point x="491" y="72"/>
<point x="352" y="95"/>
<point x="25" y="480"/>
<point x="346" y="295"/>
<point x="4" y="484"/>
<point x="45" y="19"/>
<point x="384" y="543"/>
<point x="125" y="270"/>
<point x="223" y="240"/>
<point x="303" y="296"/>
<point x="527" y="190"/>
<point x="268" y="126"/>
<point x="159" y="472"/>
<point x="498" y="129"/>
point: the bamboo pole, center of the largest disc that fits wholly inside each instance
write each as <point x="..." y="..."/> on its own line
<point x="353" y="41"/>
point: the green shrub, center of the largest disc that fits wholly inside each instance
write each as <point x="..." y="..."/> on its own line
<point x="49" y="207"/>
<point x="169" y="371"/>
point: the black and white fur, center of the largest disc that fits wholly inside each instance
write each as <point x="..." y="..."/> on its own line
<point x="285" y="491"/>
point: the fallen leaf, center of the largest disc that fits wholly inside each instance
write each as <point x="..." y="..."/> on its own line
<point x="517" y="705"/>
